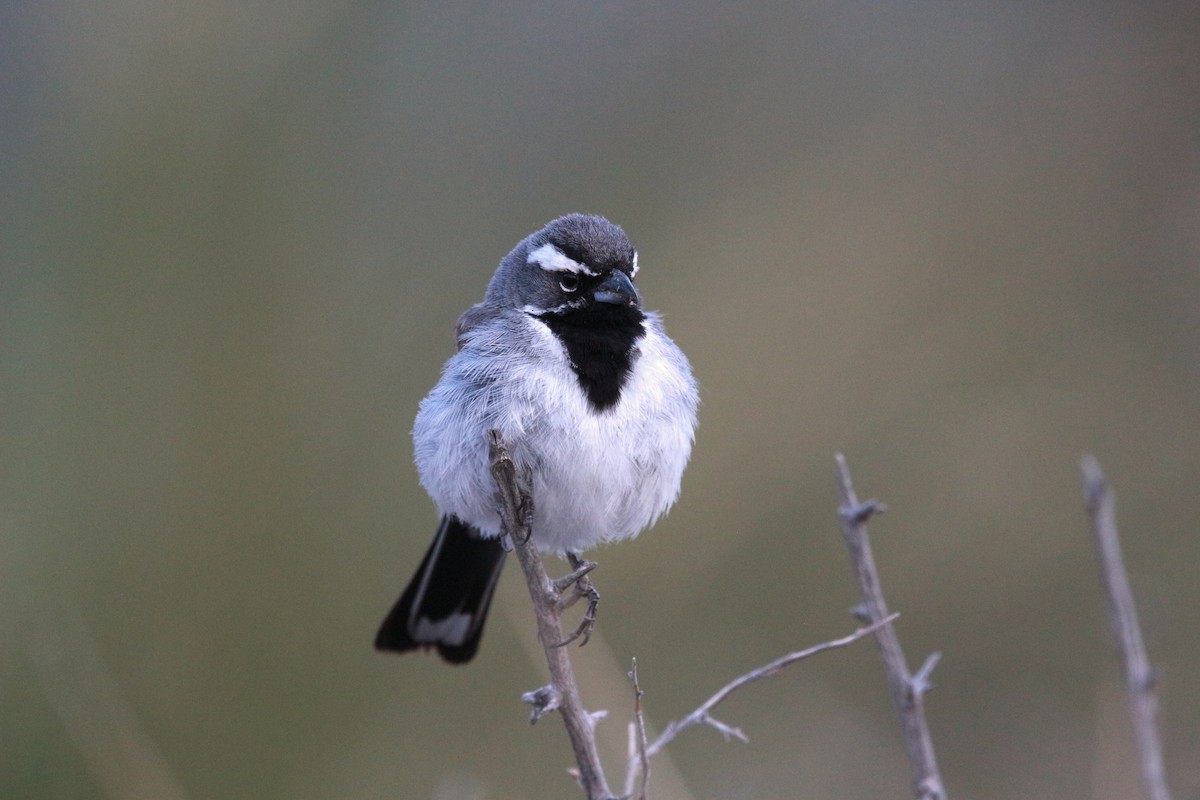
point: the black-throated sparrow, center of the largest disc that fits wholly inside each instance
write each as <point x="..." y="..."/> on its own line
<point x="596" y="404"/>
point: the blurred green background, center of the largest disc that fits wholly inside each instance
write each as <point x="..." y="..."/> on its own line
<point x="959" y="242"/>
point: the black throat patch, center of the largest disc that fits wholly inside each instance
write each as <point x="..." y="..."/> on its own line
<point x="599" y="339"/>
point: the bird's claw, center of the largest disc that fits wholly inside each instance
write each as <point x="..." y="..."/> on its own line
<point x="580" y="586"/>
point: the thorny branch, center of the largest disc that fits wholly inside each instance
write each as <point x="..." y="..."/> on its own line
<point x="1139" y="674"/>
<point x="563" y="692"/>
<point x="908" y="690"/>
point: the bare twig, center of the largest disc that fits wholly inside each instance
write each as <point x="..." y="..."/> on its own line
<point x="908" y="690"/>
<point x="563" y="693"/>
<point x="703" y="714"/>
<point x="639" y="761"/>
<point x="1139" y="674"/>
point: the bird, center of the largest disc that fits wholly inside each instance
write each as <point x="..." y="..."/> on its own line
<point x="598" y="408"/>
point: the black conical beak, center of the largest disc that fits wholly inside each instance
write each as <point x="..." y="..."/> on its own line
<point x="618" y="290"/>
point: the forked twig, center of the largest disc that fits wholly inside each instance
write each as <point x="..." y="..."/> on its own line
<point x="908" y="690"/>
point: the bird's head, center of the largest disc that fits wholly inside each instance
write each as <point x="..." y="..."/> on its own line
<point x="575" y="263"/>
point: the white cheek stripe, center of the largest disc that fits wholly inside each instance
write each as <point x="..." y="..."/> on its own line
<point x="633" y="272"/>
<point x="551" y="259"/>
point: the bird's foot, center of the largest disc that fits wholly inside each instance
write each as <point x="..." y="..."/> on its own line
<point x="580" y="586"/>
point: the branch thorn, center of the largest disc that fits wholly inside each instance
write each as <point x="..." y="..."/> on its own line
<point x="863" y="511"/>
<point x="543" y="700"/>
<point x="920" y="681"/>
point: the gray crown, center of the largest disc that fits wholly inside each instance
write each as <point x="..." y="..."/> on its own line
<point x="586" y="240"/>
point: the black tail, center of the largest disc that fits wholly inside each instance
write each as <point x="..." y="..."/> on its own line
<point x="447" y="601"/>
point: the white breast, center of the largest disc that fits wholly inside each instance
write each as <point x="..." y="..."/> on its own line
<point x="594" y="476"/>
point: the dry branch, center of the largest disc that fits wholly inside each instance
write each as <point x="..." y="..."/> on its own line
<point x="703" y="714"/>
<point x="563" y="692"/>
<point x="1139" y="674"/>
<point x="908" y="690"/>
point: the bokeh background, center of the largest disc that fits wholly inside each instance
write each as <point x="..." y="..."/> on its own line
<point x="959" y="242"/>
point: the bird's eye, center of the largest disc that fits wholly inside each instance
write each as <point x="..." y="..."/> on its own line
<point x="568" y="281"/>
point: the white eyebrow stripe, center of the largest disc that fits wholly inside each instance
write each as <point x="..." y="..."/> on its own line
<point x="551" y="259"/>
<point x="633" y="272"/>
<point x="535" y="311"/>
